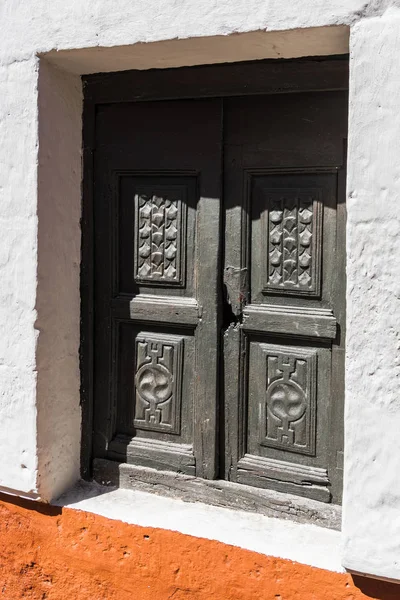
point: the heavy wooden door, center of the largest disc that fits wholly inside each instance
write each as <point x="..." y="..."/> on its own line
<point x="219" y="288"/>
<point x="157" y="235"/>
<point x="284" y="274"/>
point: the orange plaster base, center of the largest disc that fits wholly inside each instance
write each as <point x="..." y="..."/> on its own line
<point x="54" y="554"/>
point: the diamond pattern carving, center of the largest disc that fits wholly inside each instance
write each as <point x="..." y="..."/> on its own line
<point x="292" y="232"/>
<point x="159" y="240"/>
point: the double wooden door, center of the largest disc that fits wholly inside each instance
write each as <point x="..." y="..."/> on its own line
<point x="219" y="288"/>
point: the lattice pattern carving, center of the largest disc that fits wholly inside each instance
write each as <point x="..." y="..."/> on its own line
<point x="292" y="227"/>
<point x="158" y="234"/>
<point x="158" y="383"/>
<point x="289" y="414"/>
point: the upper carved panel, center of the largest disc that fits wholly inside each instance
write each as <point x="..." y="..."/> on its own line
<point x="159" y="237"/>
<point x="158" y="383"/>
<point x="289" y="412"/>
<point x="292" y="242"/>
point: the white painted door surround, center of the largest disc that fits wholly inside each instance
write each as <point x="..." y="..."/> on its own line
<point x="43" y="50"/>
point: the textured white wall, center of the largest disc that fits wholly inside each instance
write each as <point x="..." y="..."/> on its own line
<point x="371" y="525"/>
<point x="40" y="177"/>
<point x="18" y="259"/>
<point x="58" y="298"/>
<point x="40" y="26"/>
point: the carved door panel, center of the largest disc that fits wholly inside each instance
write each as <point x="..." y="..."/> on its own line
<point x="157" y="210"/>
<point x="284" y="278"/>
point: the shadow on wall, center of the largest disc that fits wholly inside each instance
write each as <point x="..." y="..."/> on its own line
<point x="379" y="590"/>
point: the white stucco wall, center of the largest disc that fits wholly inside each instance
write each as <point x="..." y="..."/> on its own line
<point x="18" y="263"/>
<point x="39" y="217"/>
<point x="58" y="269"/>
<point x="371" y="522"/>
<point x="37" y="26"/>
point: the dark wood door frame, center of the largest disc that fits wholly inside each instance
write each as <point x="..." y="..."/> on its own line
<point x="237" y="79"/>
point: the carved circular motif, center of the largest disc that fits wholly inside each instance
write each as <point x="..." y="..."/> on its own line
<point x="286" y="400"/>
<point x="154" y="383"/>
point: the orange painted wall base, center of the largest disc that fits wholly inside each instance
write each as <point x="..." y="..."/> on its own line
<point x="59" y="554"/>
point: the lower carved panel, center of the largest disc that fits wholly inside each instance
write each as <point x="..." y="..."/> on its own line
<point x="158" y="382"/>
<point x="289" y="409"/>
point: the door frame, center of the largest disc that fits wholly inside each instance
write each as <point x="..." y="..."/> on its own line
<point x="232" y="79"/>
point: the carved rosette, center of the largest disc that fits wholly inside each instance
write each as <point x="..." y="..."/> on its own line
<point x="158" y="383"/>
<point x="292" y="227"/>
<point x="289" y="414"/>
<point x="158" y="235"/>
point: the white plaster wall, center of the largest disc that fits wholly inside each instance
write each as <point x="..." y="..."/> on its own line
<point x="39" y="177"/>
<point x="40" y="26"/>
<point x="58" y="270"/>
<point x="18" y="259"/>
<point x="252" y="45"/>
<point x="371" y="525"/>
